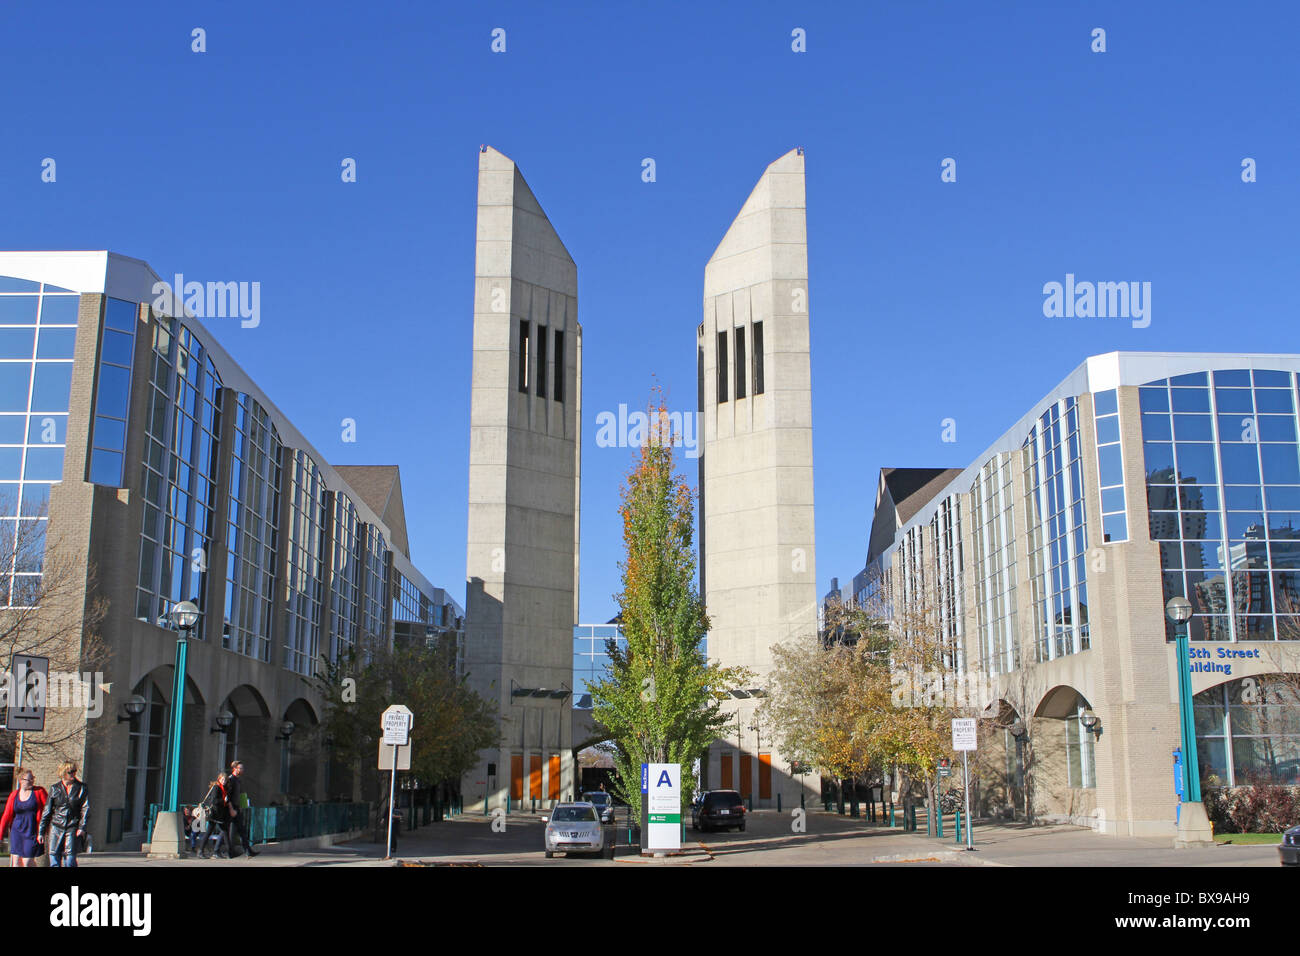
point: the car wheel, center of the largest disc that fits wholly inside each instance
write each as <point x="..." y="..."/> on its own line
<point x="549" y="855"/>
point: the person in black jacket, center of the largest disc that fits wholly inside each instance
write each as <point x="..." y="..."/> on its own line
<point x="239" y="815"/>
<point x="217" y="805"/>
<point x="65" y="817"/>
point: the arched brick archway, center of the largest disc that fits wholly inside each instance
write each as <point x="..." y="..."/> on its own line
<point x="249" y="739"/>
<point x="146" y="753"/>
<point x="1063" y="756"/>
<point x="300" y="760"/>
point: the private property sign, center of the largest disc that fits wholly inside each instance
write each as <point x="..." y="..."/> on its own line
<point x="963" y="733"/>
<point x="397" y="726"/>
<point x="663" y="795"/>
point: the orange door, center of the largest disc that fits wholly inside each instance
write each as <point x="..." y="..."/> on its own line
<point x="553" y="778"/>
<point x="517" y="778"/>
<point x="726" y="773"/>
<point x="765" y="776"/>
<point x="746" y="768"/>
<point x="535" y="776"/>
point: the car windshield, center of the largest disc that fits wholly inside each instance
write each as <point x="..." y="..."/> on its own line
<point x="716" y="800"/>
<point x="574" y="815"/>
<point x="596" y="798"/>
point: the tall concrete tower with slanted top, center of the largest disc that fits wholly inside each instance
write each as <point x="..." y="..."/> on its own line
<point x="522" y="555"/>
<point x="757" y="568"/>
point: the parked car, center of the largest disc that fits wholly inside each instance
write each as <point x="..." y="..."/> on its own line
<point x="603" y="802"/>
<point x="575" y="828"/>
<point x="718" y="808"/>
<point x="1290" y="848"/>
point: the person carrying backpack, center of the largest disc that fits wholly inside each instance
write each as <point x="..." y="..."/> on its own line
<point x="215" y="808"/>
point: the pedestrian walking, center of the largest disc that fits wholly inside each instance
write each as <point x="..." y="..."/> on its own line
<point x="217" y="807"/>
<point x="239" y="809"/>
<point x="68" y="810"/>
<point x="22" y="819"/>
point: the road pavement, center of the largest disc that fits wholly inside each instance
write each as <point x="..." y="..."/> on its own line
<point x="770" y="839"/>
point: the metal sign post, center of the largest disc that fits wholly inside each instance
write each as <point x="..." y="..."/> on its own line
<point x="964" y="739"/>
<point x="396" y="722"/>
<point x="965" y="771"/>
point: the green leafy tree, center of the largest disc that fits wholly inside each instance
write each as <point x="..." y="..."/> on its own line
<point x="451" y="723"/>
<point x="662" y="699"/>
<point x="845" y="703"/>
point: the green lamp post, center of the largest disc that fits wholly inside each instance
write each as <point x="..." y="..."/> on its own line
<point x="1179" y="611"/>
<point x="1193" y="823"/>
<point x="184" y="616"/>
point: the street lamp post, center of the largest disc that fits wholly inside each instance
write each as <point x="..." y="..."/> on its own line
<point x="168" y="840"/>
<point x="1193" y="822"/>
<point x="184" y="615"/>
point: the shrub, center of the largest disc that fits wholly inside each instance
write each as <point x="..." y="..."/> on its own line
<point x="1257" y="808"/>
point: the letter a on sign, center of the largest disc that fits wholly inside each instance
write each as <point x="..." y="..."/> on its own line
<point x="664" y="780"/>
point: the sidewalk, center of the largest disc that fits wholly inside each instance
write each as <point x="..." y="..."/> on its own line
<point x="827" y="839"/>
<point x="1016" y="844"/>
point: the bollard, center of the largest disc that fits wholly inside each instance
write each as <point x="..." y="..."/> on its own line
<point x="891" y="816"/>
<point x="507" y="804"/>
<point x="938" y="819"/>
<point x="801" y="806"/>
<point x="957" y="826"/>
<point x="750" y="801"/>
<point x="778" y="803"/>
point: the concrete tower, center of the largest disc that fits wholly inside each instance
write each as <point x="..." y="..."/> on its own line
<point x="757" y="571"/>
<point x="522" y="555"/>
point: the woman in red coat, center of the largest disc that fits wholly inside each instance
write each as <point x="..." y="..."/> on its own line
<point x="22" y="819"/>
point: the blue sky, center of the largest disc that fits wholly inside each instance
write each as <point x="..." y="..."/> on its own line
<point x="925" y="297"/>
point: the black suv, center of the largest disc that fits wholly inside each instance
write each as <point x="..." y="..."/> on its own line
<point x="603" y="802"/>
<point x="718" y="808"/>
<point x="1290" y="848"/>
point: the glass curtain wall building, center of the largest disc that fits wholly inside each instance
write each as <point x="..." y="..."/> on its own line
<point x="141" y="467"/>
<point x="1141" y="477"/>
<point x="590" y="659"/>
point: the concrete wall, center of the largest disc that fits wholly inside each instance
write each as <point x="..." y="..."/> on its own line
<point x="522" y="556"/>
<point x="758" y="570"/>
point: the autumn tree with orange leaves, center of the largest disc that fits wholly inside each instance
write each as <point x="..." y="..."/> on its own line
<point x="662" y="699"/>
